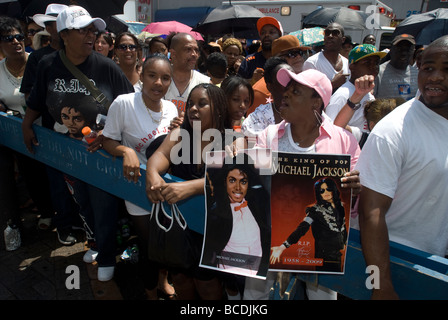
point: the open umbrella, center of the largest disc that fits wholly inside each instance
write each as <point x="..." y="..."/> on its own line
<point x="425" y="27"/>
<point x="239" y="20"/>
<point x="96" y="8"/>
<point x="115" y="25"/>
<point x="310" y="36"/>
<point x="166" y="27"/>
<point x="348" y="18"/>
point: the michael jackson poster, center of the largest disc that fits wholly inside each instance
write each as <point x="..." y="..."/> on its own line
<point x="310" y="213"/>
<point x="237" y="229"/>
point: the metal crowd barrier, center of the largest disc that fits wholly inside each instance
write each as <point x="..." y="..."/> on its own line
<point x="415" y="274"/>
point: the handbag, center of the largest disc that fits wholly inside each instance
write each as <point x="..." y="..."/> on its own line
<point x="97" y="94"/>
<point x="171" y="243"/>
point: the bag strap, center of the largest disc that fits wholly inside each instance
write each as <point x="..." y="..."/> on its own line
<point x="97" y="94"/>
<point x="179" y="217"/>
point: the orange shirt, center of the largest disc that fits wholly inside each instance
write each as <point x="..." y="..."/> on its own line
<point x="261" y="95"/>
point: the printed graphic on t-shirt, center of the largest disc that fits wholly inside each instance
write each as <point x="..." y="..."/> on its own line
<point x="180" y="104"/>
<point x="145" y="141"/>
<point x="404" y="89"/>
<point x="71" y="94"/>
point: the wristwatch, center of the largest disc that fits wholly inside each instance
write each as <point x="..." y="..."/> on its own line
<point x="354" y="106"/>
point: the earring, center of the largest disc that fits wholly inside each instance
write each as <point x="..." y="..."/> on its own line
<point x="318" y="118"/>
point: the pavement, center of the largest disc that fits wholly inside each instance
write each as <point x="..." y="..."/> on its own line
<point x="38" y="270"/>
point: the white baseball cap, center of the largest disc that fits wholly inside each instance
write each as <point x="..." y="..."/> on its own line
<point x="51" y="14"/>
<point x="75" y="17"/>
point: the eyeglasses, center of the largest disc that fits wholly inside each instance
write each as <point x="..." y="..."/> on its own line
<point x="131" y="47"/>
<point x="32" y="32"/>
<point x="322" y="190"/>
<point x="334" y="33"/>
<point x="292" y="54"/>
<point x="19" y="37"/>
<point x="84" y="31"/>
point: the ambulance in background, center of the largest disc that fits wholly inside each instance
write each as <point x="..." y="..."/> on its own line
<point x="291" y="14"/>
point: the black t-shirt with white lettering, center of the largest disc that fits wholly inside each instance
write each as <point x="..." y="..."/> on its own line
<point x="57" y="88"/>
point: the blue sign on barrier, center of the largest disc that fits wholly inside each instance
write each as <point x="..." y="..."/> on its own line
<point x="415" y="274"/>
<point x="99" y="169"/>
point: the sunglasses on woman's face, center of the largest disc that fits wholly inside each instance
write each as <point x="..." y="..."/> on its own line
<point x="32" y="32"/>
<point x="294" y="53"/>
<point x="124" y="47"/>
<point x="19" y="37"/>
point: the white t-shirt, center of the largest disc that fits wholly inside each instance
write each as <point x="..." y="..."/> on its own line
<point x="258" y="120"/>
<point x="406" y="159"/>
<point x="395" y="83"/>
<point x="10" y="90"/>
<point x="10" y="93"/>
<point x="180" y="100"/>
<point x="319" y="62"/>
<point x="286" y="143"/>
<point x="339" y="99"/>
<point x="129" y="122"/>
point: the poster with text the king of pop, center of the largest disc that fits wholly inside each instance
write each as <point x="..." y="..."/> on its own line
<point x="310" y="213"/>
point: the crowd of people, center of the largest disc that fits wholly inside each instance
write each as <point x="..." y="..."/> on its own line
<point x="388" y="110"/>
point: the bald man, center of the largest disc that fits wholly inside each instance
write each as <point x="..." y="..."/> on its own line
<point x="184" y="53"/>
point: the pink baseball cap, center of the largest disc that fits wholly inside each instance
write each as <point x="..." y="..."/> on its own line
<point x="310" y="78"/>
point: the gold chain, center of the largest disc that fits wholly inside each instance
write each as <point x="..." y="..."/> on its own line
<point x="149" y="112"/>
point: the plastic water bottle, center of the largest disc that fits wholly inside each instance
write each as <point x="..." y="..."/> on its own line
<point x="12" y="237"/>
<point x="100" y="121"/>
<point x="89" y="135"/>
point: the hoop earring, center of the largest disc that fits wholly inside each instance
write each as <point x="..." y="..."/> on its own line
<point x="318" y="118"/>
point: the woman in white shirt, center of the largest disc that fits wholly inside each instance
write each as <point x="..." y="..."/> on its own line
<point x="134" y="121"/>
<point x="12" y="44"/>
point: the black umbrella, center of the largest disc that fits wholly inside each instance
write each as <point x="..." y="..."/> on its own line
<point x="96" y="8"/>
<point x="348" y="18"/>
<point x="425" y="27"/>
<point x="115" y="25"/>
<point x="239" y="20"/>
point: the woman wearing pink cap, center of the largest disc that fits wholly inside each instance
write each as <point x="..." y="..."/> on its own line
<point x="306" y="129"/>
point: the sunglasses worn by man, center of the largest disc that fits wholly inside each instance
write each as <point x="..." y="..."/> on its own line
<point x="86" y="30"/>
<point x="334" y="32"/>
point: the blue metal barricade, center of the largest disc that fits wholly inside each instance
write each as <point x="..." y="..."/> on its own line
<point x="99" y="169"/>
<point x="416" y="274"/>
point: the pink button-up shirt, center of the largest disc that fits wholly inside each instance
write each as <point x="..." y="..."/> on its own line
<point x="332" y="140"/>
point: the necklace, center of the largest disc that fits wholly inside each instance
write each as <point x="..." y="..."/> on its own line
<point x="185" y="87"/>
<point x="15" y="73"/>
<point x="299" y="141"/>
<point x="15" y="81"/>
<point x="273" y="106"/>
<point x="150" y="111"/>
